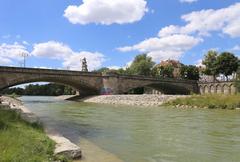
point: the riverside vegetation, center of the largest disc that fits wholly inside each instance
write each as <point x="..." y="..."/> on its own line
<point x="24" y="142"/>
<point x="207" y="101"/>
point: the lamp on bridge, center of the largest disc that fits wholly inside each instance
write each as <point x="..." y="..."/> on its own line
<point x="24" y="55"/>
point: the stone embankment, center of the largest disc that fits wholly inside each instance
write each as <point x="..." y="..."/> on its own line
<point x="63" y="145"/>
<point x="133" y="100"/>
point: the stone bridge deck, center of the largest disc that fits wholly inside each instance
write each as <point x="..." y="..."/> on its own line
<point x="94" y="83"/>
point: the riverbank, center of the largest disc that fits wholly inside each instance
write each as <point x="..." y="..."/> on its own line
<point x="21" y="141"/>
<point x="62" y="147"/>
<point x="132" y="100"/>
<point x="207" y="101"/>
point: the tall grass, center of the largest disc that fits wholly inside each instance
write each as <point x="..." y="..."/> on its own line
<point x="22" y="142"/>
<point x="209" y="101"/>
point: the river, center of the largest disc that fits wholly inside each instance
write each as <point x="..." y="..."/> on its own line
<point x="137" y="134"/>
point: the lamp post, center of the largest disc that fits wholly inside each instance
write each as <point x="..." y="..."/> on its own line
<point x="24" y="55"/>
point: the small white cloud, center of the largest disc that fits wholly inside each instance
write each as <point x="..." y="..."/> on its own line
<point x="6" y="36"/>
<point x="188" y="1"/>
<point x="199" y="63"/>
<point x="114" y="67"/>
<point x="171" y="47"/>
<point x="52" y="49"/>
<point x="18" y="36"/>
<point x="25" y="43"/>
<point x="106" y="12"/>
<point x="5" y="61"/>
<point x="236" y="48"/>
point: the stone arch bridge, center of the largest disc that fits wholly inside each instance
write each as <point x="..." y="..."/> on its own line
<point x="90" y="83"/>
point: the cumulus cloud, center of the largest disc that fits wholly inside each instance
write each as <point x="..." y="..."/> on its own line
<point x="188" y="1"/>
<point x="169" y="47"/>
<point x="11" y="52"/>
<point x="71" y="59"/>
<point x="94" y="60"/>
<point x="4" y="61"/>
<point x="114" y="67"/>
<point x="52" y="49"/>
<point x="225" y="20"/>
<point x="106" y="12"/>
<point x="236" y="48"/>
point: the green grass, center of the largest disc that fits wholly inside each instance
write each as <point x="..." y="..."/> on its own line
<point x="22" y="142"/>
<point x="208" y="101"/>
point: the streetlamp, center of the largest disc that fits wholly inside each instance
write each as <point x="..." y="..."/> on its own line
<point x="24" y="55"/>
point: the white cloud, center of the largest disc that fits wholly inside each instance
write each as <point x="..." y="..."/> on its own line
<point x="170" y="47"/>
<point x="52" y="49"/>
<point x="188" y="1"/>
<point x="11" y="52"/>
<point x="106" y="12"/>
<point x="199" y="63"/>
<point x="4" y="61"/>
<point x="225" y="20"/>
<point x="94" y="60"/>
<point x="6" y="36"/>
<point x="236" y="48"/>
<point x="71" y="59"/>
<point x="114" y="67"/>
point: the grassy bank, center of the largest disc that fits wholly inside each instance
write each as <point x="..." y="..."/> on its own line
<point x="208" y="101"/>
<point x="22" y="142"/>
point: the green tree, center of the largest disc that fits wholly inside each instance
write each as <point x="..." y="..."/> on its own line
<point x="166" y="71"/>
<point x="237" y="82"/>
<point x="210" y="61"/>
<point x="227" y="64"/>
<point x="189" y="72"/>
<point x="142" y="65"/>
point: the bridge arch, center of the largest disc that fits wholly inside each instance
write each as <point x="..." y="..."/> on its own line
<point x="81" y="85"/>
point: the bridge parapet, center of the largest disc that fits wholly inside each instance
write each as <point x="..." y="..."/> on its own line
<point x="223" y="87"/>
<point x="46" y="71"/>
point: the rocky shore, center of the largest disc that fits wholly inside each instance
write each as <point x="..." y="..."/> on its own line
<point x="63" y="145"/>
<point x="133" y="100"/>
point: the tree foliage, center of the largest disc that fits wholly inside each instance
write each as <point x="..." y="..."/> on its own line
<point x="227" y="63"/>
<point x="237" y="83"/>
<point x="210" y="61"/>
<point x="41" y="90"/>
<point x="142" y="65"/>
<point x="166" y="71"/>
<point x="189" y="72"/>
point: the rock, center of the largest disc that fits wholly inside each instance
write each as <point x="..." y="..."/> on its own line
<point x="66" y="147"/>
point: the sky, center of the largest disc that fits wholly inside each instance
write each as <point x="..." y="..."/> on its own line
<point x="110" y="33"/>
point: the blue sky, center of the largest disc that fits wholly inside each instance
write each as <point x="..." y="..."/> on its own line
<point x="57" y="34"/>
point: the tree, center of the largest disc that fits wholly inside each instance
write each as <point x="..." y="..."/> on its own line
<point x="227" y="64"/>
<point x="189" y="72"/>
<point x="210" y="61"/>
<point x="237" y="82"/>
<point x="166" y="71"/>
<point x="142" y="65"/>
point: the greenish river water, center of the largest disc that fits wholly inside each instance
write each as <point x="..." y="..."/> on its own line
<point x="137" y="134"/>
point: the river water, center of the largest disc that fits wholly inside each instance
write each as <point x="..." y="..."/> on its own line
<point x="137" y="134"/>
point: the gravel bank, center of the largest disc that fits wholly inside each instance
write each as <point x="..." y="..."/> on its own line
<point x="133" y="100"/>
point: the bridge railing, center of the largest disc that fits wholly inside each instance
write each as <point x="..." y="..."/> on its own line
<point x="142" y="77"/>
<point x="45" y="71"/>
